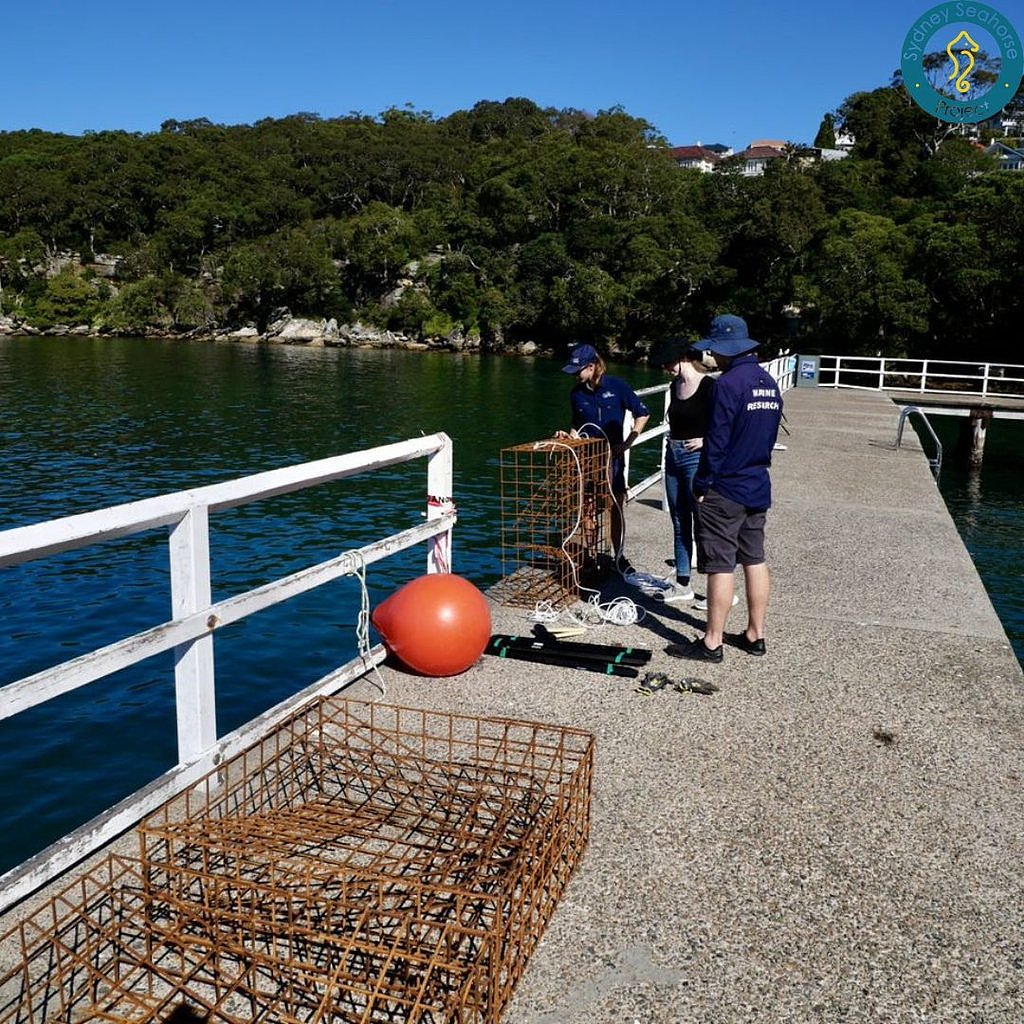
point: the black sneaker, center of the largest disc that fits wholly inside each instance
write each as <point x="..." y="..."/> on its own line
<point x="696" y="650"/>
<point x="740" y="640"/>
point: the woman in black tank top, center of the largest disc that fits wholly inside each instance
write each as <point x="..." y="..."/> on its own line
<point x="688" y="411"/>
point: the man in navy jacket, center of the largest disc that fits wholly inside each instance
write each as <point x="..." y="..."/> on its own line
<point x="733" y="488"/>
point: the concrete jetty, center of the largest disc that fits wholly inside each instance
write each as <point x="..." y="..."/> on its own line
<point x="837" y="834"/>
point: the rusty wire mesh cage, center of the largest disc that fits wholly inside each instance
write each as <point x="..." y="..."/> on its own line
<point x="555" y="499"/>
<point x="363" y="863"/>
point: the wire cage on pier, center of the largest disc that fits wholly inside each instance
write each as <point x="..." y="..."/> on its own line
<point x="555" y="501"/>
<point x="362" y="863"/>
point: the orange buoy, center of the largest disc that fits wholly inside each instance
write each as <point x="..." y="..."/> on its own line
<point x="437" y="625"/>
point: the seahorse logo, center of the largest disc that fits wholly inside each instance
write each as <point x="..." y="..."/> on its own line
<point x="985" y="55"/>
<point x="961" y="85"/>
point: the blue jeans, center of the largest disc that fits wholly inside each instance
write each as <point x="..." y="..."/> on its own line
<point x="680" y="469"/>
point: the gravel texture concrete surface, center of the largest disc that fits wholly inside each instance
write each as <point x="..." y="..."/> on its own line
<point x="837" y="834"/>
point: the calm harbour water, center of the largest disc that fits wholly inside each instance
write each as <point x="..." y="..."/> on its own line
<point x="89" y="423"/>
<point x="987" y="505"/>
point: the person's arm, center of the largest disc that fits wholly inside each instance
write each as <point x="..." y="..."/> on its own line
<point x="635" y="431"/>
<point x="716" y="441"/>
<point x="641" y="414"/>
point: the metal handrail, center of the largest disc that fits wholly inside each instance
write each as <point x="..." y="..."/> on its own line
<point x="197" y="618"/>
<point x="922" y="376"/>
<point x="936" y="462"/>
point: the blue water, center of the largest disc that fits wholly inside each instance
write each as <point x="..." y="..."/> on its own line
<point x="987" y="505"/>
<point x="89" y="423"/>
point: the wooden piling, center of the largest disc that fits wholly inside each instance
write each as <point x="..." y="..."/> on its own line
<point x="976" y="429"/>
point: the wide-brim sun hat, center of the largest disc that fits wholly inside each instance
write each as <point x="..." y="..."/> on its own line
<point x="670" y="351"/>
<point x="580" y="356"/>
<point x="728" y="337"/>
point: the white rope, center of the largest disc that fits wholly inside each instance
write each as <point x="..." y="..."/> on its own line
<point x="621" y="611"/>
<point x="363" y="623"/>
<point x="580" y="586"/>
<point x="609" y="481"/>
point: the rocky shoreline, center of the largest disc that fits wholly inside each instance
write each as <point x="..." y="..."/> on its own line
<point x="285" y="329"/>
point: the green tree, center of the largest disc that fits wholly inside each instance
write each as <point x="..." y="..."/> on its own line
<point x="859" y="291"/>
<point x="964" y="76"/>
<point x="826" y="137"/>
<point x="67" y="299"/>
<point x="373" y="247"/>
<point x="289" y="269"/>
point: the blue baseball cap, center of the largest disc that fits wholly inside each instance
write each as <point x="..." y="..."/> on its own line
<point x="580" y="356"/>
<point x="727" y="337"/>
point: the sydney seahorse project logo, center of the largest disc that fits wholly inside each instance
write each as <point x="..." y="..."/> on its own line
<point x="962" y="61"/>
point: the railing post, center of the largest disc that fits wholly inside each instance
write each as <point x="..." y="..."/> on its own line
<point x="924" y="375"/>
<point x="440" y="501"/>
<point x="627" y="426"/>
<point x="881" y="374"/>
<point x="194" y="689"/>
<point x="984" y="380"/>
<point x="664" y="447"/>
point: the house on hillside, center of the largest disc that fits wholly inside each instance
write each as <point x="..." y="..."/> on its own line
<point x="845" y="141"/>
<point x="698" y="158"/>
<point x="752" y="161"/>
<point x="1010" y="159"/>
<point x="757" y="156"/>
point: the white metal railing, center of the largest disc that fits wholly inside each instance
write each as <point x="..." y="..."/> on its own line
<point x="782" y="368"/>
<point x="922" y="376"/>
<point x="190" y="633"/>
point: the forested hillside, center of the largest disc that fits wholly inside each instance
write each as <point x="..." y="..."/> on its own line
<point x="514" y="223"/>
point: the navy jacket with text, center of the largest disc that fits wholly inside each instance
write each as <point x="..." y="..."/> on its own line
<point x="604" y="408"/>
<point x="746" y="409"/>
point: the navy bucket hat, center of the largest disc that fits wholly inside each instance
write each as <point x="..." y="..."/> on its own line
<point x="669" y="351"/>
<point x="727" y="337"/>
<point x="580" y="356"/>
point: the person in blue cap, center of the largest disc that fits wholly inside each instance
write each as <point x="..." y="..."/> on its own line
<point x="599" y="404"/>
<point x="733" y="490"/>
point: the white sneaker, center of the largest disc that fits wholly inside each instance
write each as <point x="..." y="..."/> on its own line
<point x="676" y="593"/>
<point x="701" y="604"/>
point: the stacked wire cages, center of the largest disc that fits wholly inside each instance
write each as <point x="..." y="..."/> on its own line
<point x="363" y="863"/>
<point x="555" y="500"/>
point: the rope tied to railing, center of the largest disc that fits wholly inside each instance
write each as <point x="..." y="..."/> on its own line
<point x="363" y="621"/>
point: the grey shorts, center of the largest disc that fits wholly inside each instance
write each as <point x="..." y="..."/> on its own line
<point x="727" y="533"/>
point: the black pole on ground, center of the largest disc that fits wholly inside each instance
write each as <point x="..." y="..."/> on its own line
<point x="589" y="652"/>
<point x="566" y="659"/>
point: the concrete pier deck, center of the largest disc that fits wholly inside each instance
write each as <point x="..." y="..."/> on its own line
<point x="837" y="835"/>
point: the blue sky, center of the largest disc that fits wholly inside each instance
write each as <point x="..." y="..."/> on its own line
<point x="721" y="71"/>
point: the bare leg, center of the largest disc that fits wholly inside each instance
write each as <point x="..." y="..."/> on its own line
<point x="757" y="599"/>
<point x="720" y="591"/>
